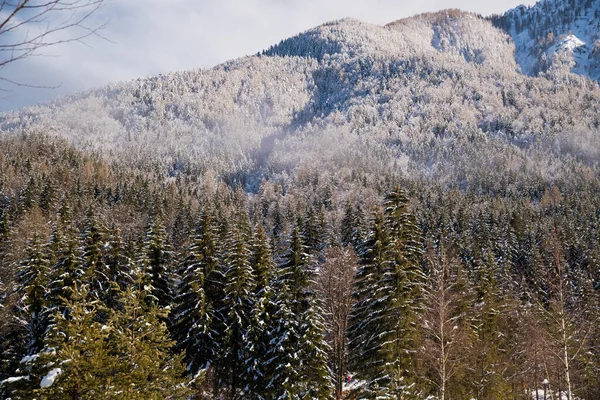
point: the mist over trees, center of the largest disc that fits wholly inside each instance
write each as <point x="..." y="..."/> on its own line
<point x="396" y="204"/>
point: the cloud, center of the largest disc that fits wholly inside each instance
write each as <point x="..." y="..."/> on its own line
<point x="148" y="37"/>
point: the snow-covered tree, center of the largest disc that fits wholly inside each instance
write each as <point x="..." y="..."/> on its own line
<point x="155" y="263"/>
<point x="387" y="291"/>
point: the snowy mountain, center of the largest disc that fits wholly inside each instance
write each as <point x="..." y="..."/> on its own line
<point x="555" y="35"/>
<point x="437" y="96"/>
<point x="408" y="210"/>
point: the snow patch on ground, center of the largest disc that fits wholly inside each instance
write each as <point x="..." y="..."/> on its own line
<point x="568" y="43"/>
<point x="549" y="395"/>
<point x="50" y="377"/>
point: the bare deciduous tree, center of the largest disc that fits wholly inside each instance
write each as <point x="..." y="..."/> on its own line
<point x="335" y="285"/>
<point x="28" y="26"/>
<point x="444" y="319"/>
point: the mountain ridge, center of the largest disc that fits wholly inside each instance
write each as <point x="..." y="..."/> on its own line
<point x="396" y="97"/>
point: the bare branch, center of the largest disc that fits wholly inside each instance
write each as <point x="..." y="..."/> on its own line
<point x="28" y="26"/>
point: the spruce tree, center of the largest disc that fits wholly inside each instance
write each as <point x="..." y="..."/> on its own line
<point x="237" y="307"/>
<point x="141" y="342"/>
<point x="488" y="344"/>
<point x="68" y="269"/>
<point x="26" y="331"/>
<point x="282" y="370"/>
<point x="156" y="263"/>
<point x="366" y="353"/>
<point x="347" y="227"/>
<point x="4" y="227"/>
<point x="382" y="324"/>
<point x="77" y="362"/>
<point x="404" y="281"/>
<point x="258" y="343"/>
<point x="32" y="289"/>
<point x="129" y="356"/>
<point x="193" y="317"/>
<point x="304" y="333"/>
<point x="94" y="240"/>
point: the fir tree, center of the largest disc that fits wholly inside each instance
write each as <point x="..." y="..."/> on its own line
<point x="258" y="342"/>
<point x="194" y="313"/>
<point x="304" y="334"/>
<point x="156" y="263"/>
<point x="237" y="308"/>
<point x="382" y="326"/>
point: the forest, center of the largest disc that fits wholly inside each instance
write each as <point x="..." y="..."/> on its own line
<point x="358" y="212"/>
<point x="116" y="284"/>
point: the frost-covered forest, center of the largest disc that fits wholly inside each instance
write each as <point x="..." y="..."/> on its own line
<point x="408" y="206"/>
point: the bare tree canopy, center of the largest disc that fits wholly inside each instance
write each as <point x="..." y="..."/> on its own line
<point x="28" y="26"/>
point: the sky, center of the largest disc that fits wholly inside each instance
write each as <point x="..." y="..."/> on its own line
<point x="147" y="37"/>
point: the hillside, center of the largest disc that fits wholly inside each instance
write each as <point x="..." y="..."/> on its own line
<point x="414" y="95"/>
<point x="556" y="35"/>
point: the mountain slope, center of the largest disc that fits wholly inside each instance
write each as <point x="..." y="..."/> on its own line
<point x="437" y="96"/>
<point x="556" y="35"/>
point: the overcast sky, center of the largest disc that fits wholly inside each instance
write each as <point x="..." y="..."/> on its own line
<point x="148" y="37"/>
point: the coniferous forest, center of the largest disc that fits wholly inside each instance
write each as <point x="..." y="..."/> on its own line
<point x="405" y="212"/>
<point x="118" y="285"/>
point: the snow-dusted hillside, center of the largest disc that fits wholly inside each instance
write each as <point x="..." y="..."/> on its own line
<point x="556" y="35"/>
<point x="437" y="96"/>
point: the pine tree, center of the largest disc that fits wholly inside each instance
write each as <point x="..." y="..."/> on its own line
<point x="237" y="306"/>
<point x="156" y="263"/>
<point x="304" y="334"/>
<point x="258" y="342"/>
<point x="143" y="346"/>
<point x="382" y="324"/>
<point x="194" y="313"/>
